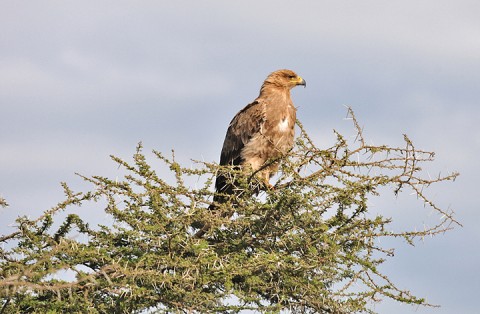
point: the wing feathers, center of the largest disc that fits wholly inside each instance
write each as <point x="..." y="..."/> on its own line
<point x="248" y="122"/>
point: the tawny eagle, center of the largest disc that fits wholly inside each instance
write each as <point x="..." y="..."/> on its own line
<point x="262" y="131"/>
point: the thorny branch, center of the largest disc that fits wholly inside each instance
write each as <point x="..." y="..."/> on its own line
<point x="308" y="245"/>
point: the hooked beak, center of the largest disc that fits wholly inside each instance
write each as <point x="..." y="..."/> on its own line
<point x="301" y="81"/>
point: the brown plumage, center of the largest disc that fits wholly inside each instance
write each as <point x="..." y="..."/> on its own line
<point x="262" y="131"/>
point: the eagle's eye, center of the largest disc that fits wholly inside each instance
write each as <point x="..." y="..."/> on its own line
<point x="291" y="76"/>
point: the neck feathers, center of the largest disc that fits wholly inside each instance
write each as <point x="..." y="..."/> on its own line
<point x="271" y="90"/>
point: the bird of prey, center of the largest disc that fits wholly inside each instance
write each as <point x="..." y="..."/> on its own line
<point x="262" y="131"/>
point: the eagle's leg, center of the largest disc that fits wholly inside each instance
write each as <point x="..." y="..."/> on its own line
<point x="265" y="179"/>
<point x="268" y="185"/>
<point x="261" y="172"/>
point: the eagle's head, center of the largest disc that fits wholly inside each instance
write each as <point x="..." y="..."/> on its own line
<point x="285" y="79"/>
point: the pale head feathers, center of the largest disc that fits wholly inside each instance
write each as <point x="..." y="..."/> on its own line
<point x="284" y="79"/>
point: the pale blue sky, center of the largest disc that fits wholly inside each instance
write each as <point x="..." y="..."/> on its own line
<point x="82" y="80"/>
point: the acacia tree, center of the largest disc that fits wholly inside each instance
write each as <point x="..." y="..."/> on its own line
<point x="308" y="245"/>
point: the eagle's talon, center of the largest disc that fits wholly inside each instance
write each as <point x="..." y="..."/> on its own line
<point x="269" y="186"/>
